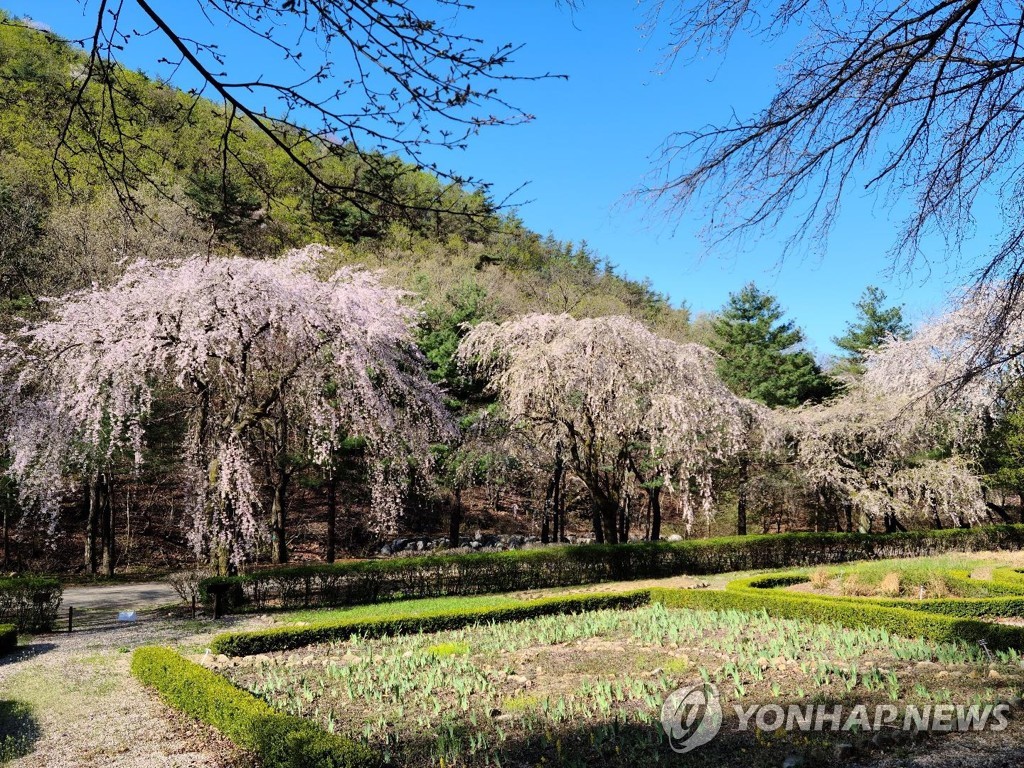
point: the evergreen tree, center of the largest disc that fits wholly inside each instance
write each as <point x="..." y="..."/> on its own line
<point x="1003" y="450"/>
<point x="760" y="354"/>
<point x="875" y="324"/>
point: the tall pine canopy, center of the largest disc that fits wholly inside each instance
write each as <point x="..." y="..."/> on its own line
<point x="760" y="352"/>
<point x="875" y="325"/>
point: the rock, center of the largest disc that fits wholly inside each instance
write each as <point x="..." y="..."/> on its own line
<point x="843" y="751"/>
<point x="763" y="663"/>
<point x="420" y="546"/>
<point x="926" y="665"/>
<point x="993" y="674"/>
<point x="475" y="544"/>
<point x="656" y="671"/>
<point x="1015" y="701"/>
<point x="677" y="537"/>
<point x="386" y="550"/>
<point x="495" y="712"/>
<point x="793" y="761"/>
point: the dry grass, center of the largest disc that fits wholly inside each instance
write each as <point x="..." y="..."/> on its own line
<point x="853" y="586"/>
<point x="891" y="585"/>
<point x="820" y="578"/>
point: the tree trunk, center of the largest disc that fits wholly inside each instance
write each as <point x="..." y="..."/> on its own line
<point x="560" y="509"/>
<point x="624" y="521"/>
<point x="608" y="511"/>
<point x="741" y="496"/>
<point x="455" y="520"/>
<point x="279" y="505"/>
<point x="7" y="531"/>
<point x="654" y="499"/>
<point x="332" y="514"/>
<point x="107" y="529"/>
<point x="278" y="526"/>
<point x="595" y="513"/>
<point x="92" y="514"/>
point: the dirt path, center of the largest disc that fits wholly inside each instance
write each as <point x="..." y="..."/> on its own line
<point x="91" y="713"/>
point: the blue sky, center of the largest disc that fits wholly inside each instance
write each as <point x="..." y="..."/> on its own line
<point x="591" y="144"/>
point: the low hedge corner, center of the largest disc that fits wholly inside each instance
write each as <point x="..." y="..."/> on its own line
<point x="278" y="740"/>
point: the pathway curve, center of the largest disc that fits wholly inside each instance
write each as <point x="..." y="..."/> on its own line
<point x="90" y="711"/>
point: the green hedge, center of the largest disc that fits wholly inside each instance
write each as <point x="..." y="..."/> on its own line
<point x="376" y="581"/>
<point x="963" y="607"/>
<point x="30" y="602"/>
<point x="278" y="740"/>
<point x="848" y="612"/>
<point x="284" y="638"/>
<point x="8" y="638"/>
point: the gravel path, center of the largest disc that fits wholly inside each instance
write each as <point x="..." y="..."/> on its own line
<point x="91" y="713"/>
<point x="121" y="596"/>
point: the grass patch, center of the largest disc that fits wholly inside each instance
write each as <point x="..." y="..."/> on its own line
<point x="398" y="608"/>
<point x="448" y="649"/>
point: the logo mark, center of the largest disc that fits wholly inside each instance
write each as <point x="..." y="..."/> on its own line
<point x="691" y="717"/>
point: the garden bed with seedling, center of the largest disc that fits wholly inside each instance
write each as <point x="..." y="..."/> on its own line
<point x="588" y="689"/>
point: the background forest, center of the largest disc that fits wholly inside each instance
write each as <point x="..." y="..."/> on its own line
<point x="819" y="450"/>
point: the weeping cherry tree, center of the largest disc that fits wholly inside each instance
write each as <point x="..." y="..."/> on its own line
<point x="622" y="405"/>
<point x="250" y="348"/>
<point x="901" y="444"/>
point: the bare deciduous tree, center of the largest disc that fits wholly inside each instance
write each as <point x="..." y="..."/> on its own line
<point x="917" y="99"/>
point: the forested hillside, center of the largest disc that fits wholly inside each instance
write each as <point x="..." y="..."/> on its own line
<point x="69" y="220"/>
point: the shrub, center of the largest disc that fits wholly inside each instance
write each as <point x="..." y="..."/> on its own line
<point x="8" y="638"/>
<point x="278" y="740"/>
<point x="30" y="603"/>
<point x="375" y="581"/>
<point x="186" y="583"/>
<point x="284" y="638"/>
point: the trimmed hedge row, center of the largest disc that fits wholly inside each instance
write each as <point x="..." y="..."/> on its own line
<point x="280" y="741"/>
<point x="847" y="613"/>
<point x="285" y="638"/>
<point x="962" y="607"/>
<point x="30" y="603"/>
<point x="8" y="638"/>
<point x="376" y="581"/>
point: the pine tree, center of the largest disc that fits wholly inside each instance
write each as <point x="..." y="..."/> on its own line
<point x="760" y="352"/>
<point x="875" y="324"/>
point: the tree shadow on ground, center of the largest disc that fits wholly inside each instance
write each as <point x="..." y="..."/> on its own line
<point x="632" y="745"/>
<point x="19" y="730"/>
<point x="24" y="652"/>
